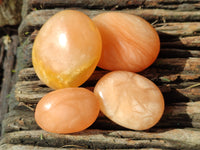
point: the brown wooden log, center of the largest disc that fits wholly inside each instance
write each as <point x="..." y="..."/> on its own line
<point x="106" y="139"/>
<point x="166" y="73"/>
<point x="37" y="18"/>
<point x="24" y="54"/>
<point x="10" y="12"/>
<point x="17" y="120"/>
<point x="183" y="42"/>
<point x="184" y="5"/>
<point x="178" y="28"/>
<point x="176" y="115"/>
<point x="170" y="68"/>
<point x="8" y="67"/>
<point x="31" y="147"/>
<point x="32" y="91"/>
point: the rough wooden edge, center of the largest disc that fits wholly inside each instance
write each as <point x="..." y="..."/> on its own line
<point x="8" y="73"/>
<point x="37" y="18"/>
<point x="165" y="138"/>
<point x="176" y="77"/>
<point x="32" y="91"/>
<point x="31" y="147"/>
<point x="176" y="115"/>
<point x="189" y="5"/>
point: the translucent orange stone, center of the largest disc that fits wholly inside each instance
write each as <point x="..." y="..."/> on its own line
<point x="130" y="100"/>
<point x="66" y="49"/>
<point x="129" y="42"/>
<point x="67" y="110"/>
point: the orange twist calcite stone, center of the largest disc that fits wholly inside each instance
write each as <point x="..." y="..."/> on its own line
<point x="130" y="100"/>
<point x="66" y="49"/>
<point x="67" y="110"/>
<point x="129" y="42"/>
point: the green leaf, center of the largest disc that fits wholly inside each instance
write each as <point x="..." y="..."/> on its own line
<point x="26" y="33"/>
<point x="41" y="137"/>
<point x="13" y="71"/>
<point x="164" y="79"/>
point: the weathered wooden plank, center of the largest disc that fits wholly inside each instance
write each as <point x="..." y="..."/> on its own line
<point x="10" y="12"/>
<point x="32" y="91"/>
<point x="27" y="74"/>
<point x="105" y="139"/>
<point x="183" y="42"/>
<point x="37" y="18"/>
<point x="17" y="120"/>
<point x="190" y="64"/>
<point x="176" y="115"/>
<point x="189" y="5"/>
<point x="170" y="68"/>
<point x="25" y="50"/>
<point x="32" y="147"/>
<point x="178" y="28"/>
<point x="9" y="49"/>
<point x="166" y="73"/>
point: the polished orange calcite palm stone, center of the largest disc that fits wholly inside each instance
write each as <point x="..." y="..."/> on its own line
<point x="66" y="49"/>
<point x="129" y="42"/>
<point x="67" y="110"/>
<point x="130" y="100"/>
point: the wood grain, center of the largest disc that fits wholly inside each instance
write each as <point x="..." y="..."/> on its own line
<point x="184" y="5"/>
<point x="10" y="12"/>
<point x="105" y="139"/>
<point x="30" y="89"/>
<point x="185" y="25"/>
<point x="176" y="72"/>
<point x="9" y="49"/>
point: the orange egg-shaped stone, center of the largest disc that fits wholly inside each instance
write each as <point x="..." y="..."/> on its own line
<point x="130" y="100"/>
<point x="129" y="42"/>
<point x="66" y="49"/>
<point x="67" y="110"/>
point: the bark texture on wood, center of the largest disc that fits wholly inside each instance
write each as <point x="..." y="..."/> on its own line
<point x="160" y="16"/>
<point x="10" y="12"/>
<point x="99" y="139"/>
<point x="31" y="147"/>
<point x="176" y="115"/>
<point x="183" y="5"/>
<point x="30" y="90"/>
<point x="9" y="48"/>
<point x="176" y="72"/>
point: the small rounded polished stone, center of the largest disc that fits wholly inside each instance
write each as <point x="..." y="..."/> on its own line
<point x="67" y="110"/>
<point x="129" y="42"/>
<point x="130" y="99"/>
<point x="66" y="50"/>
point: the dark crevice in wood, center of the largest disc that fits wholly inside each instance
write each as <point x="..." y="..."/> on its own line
<point x="8" y="72"/>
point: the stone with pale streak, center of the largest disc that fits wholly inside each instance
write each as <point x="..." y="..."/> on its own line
<point x="128" y="42"/>
<point x="66" y="50"/>
<point x="130" y="99"/>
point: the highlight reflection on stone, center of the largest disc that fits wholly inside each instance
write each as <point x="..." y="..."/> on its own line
<point x="130" y="100"/>
<point x="67" y="110"/>
<point x="66" y="49"/>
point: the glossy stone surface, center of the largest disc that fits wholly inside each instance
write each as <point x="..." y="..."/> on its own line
<point x="129" y="42"/>
<point x="130" y="99"/>
<point x="66" y="49"/>
<point x="67" y="110"/>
